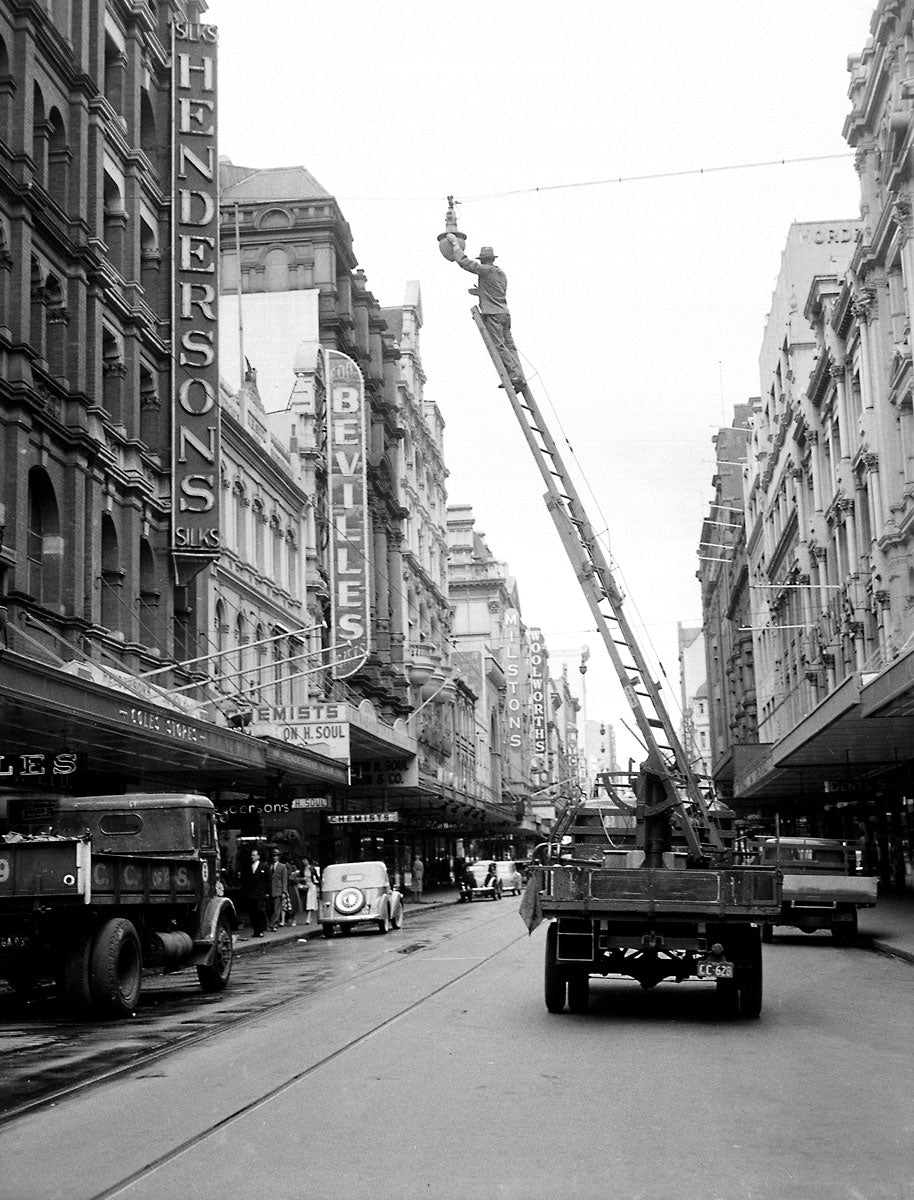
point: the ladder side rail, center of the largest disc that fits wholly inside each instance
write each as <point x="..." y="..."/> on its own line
<point x="588" y="559"/>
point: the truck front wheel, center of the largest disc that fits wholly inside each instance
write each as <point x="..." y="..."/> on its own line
<point x="116" y="968"/>
<point x="556" y="982"/>
<point x="215" y="976"/>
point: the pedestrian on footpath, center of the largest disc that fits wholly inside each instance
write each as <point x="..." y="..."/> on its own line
<point x="311" y="879"/>
<point x="295" y="904"/>
<point x="417" y="879"/>
<point x="258" y="886"/>
<point x="279" y="890"/>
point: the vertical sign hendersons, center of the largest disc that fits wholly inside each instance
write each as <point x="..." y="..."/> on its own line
<point x="195" y="224"/>
<point x="349" y="525"/>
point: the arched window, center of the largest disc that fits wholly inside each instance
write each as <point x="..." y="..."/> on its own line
<point x="260" y="662"/>
<point x="7" y="91"/>
<point x="276" y="271"/>
<point x="114" y="219"/>
<point x="150" y="625"/>
<point x="259" y="526"/>
<point x="6" y="266"/>
<point x="37" y="310"/>
<point x="115" y="68"/>
<point x="148" y="135"/>
<point x="44" y="551"/>
<point x="276" y="548"/>
<point x="114" y="372"/>
<point x="219" y="665"/>
<point x="241" y="507"/>
<point x="57" y="318"/>
<point x="40" y="132"/>
<point x="241" y="640"/>
<point x="278" y="656"/>
<point x="150" y="258"/>
<point x="112" y="577"/>
<point x="58" y="159"/>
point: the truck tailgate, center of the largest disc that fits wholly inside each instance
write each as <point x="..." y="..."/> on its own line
<point x="808" y="887"/>
<point x="751" y="893"/>
<point x="55" y="868"/>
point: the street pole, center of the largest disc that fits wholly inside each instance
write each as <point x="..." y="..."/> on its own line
<point x="585" y="654"/>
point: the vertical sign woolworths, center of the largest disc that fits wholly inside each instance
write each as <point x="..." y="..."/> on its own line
<point x="349" y="525"/>
<point x="195" y="224"/>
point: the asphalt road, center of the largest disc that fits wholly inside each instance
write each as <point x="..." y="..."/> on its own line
<point x="425" y="1064"/>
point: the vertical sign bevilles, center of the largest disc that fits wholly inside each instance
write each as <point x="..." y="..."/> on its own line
<point x="349" y="521"/>
<point x="196" y="535"/>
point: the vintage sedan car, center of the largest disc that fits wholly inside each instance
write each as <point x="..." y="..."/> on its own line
<point x="358" y="893"/>
<point x="510" y="878"/>
<point x="473" y="886"/>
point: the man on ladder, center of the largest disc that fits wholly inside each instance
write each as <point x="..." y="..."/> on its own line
<point x="491" y="291"/>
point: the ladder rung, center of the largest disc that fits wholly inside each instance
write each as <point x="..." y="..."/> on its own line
<point x="655" y="722"/>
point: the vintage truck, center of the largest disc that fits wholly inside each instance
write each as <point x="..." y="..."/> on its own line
<point x="95" y="889"/>
<point x="822" y="887"/>
<point x="617" y="909"/>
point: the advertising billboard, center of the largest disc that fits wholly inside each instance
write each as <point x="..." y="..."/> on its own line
<point x="196" y="535"/>
<point x="349" y="519"/>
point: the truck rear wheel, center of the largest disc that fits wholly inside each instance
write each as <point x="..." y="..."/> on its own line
<point x="845" y="932"/>
<point x="749" y="976"/>
<point x="767" y="932"/>
<point x="215" y="976"/>
<point x="556" y="982"/>
<point x="578" y="992"/>
<point x="116" y="968"/>
<point x="77" y="955"/>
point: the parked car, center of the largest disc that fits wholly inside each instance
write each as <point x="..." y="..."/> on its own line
<point x="510" y="878"/>
<point x="473" y="886"/>
<point x="358" y="893"/>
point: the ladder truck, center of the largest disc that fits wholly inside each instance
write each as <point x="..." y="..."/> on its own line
<point x="677" y="903"/>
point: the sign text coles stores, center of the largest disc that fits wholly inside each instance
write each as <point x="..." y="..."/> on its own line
<point x="195" y="212"/>
<point x="349" y="523"/>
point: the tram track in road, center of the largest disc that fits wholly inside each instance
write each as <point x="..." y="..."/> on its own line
<point x="216" y="1024"/>
<point x="298" y="1077"/>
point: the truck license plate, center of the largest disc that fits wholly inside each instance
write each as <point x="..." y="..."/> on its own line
<point x="715" y="970"/>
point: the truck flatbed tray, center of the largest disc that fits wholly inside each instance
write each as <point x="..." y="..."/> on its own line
<point x="750" y="893"/>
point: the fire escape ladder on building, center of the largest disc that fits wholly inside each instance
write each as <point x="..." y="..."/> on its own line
<point x="666" y="757"/>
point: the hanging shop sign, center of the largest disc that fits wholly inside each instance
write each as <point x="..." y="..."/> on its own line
<point x="514" y="702"/>
<point x="376" y="818"/>
<point x="310" y="803"/>
<point x="537" y="692"/>
<point x="385" y="772"/>
<point x="196" y="536"/>
<point x="349" y="519"/>
<point x="323" y="728"/>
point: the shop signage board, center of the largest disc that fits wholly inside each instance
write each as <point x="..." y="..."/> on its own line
<point x="376" y="818"/>
<point x="385" y="772"/>
<point x="350" y="526"/>
<point x="309" y="803"/>
<point x="323" y="728"/>
<point x="196" y="535"/>
<point x="537" y="693"/>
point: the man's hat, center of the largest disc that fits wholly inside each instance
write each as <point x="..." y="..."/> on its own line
<point x="487" y="252"/>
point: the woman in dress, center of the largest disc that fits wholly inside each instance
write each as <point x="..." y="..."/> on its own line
<point x="311" y="878"/>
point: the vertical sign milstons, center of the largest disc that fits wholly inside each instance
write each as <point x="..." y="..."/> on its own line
<point x="196" y="537"/>
<point x="347" y="471"/>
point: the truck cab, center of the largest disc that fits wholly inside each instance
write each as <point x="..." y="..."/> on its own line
<point x="95" y="889"/>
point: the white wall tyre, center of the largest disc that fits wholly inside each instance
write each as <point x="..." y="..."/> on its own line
<point x="384" y="925"/>
<point x="116" y="969"/>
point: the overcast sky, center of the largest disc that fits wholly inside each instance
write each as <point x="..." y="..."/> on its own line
<point x="638" y="306"/>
